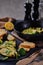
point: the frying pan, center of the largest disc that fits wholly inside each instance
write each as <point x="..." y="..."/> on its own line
<point x="20" y="26"/>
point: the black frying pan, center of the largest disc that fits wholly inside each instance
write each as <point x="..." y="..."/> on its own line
<point x="20" y="26"/>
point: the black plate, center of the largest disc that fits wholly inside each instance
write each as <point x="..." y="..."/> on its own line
<point x="20" y="26"/>
<point x="17" y="44"/>
<point x="13" y="61"/>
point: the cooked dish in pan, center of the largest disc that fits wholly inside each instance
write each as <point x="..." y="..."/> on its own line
<point x="32" y="30"/>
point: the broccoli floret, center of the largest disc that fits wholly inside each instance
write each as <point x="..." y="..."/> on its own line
<point x="22" y="52"/>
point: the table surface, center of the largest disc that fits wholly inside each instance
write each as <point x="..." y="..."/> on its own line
<point x="38" y="60"/>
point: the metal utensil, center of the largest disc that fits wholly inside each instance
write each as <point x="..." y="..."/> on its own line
<point x="13" y="33"/>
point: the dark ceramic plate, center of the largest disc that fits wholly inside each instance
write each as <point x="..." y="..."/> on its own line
<point x="17" y="44"/>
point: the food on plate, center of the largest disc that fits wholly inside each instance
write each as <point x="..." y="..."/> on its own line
<point x="8" y="44"/>
<point x="32" y="30"/>
<point x="27" y="45"/>
<point x="38" y="30"/>
<point x="9" y="26"/>
<point x="2" y="32"/>
<point x="1" y="41"/>
<point x="10" y="37"/>
<point x="29" y="31"/>
<point x="8" y="48"/>
<point x="8" y="52"/>
<point x="22" y="52"/>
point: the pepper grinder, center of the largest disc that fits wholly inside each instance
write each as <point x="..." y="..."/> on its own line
<point x="36" y="10"/>
<point x="35" y="14"/>
<point x="27" y="11"/>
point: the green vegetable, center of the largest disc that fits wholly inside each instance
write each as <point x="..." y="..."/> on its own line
<point x="17" y="56"/>
<point x="22" y="52"/>
<point x="5" y="58"/>
<point x="38" y="30"/>
<point x="9" y="42"/>
<point x="1" y="41"/>
<point x="8" y="51"/>
<point x="32" y="30"/>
